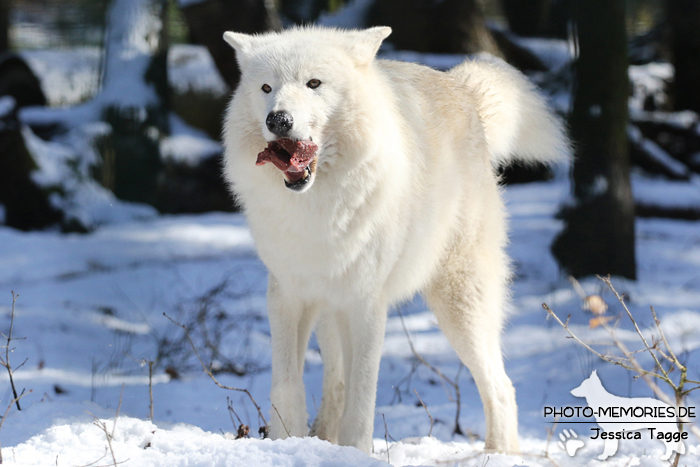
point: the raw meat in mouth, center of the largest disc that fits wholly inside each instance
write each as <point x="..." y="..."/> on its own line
<point x="291" y="157"/>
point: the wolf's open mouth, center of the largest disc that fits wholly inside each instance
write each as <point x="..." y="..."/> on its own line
<point x="294" y="158"/>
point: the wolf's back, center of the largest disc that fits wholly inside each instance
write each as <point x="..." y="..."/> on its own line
<point x="517" y="121"/>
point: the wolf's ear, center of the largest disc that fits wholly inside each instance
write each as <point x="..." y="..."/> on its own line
<point x="366" y="43"/>
<point x="240" y="43"/>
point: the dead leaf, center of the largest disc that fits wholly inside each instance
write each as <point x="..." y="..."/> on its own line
<point x="599" y="321"/>
<point x="596" y="304"/>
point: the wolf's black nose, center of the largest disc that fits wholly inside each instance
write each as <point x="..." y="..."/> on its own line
<point x="279" y="122"/>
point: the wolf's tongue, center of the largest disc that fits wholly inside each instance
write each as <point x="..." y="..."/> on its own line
<point x="291" y="157"/>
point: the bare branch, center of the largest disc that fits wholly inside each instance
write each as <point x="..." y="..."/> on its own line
<point x="6" y="361"/>
<point x="633" y="365"/>
<point x="102" y="426"/>
<point x="420" y="358"/>
<point x="119" y="407"/>
<point x="150" y="387"/>
<point x="7" y="411"/>
<point x="232" y="412"/>
<point x="607" y="281"/>
<point x="673" y="358"/>
<point x="444" y="378"/>
<point x="92" y="464"/>
<point x="481" y="452"/>
<point x="281" y="420"/>
<point x="588" y="347"/>
<point x="211" y="375"/>
<point x="577" y="287"/>
<point x="430" y="433"/>
<point x="386" y="440"/>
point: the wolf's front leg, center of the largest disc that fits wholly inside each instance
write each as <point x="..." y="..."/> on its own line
<point x="362" y="351"/>
<point x="327" y="421"/>
<point x="291" y="321"/>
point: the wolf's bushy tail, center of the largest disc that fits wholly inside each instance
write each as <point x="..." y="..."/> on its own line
<point x="518" y="123"/>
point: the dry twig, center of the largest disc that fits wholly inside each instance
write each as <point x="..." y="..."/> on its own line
<point x="430" y="433"/>
<point x="481" y="452"/>
<point x="629" y="361"/>
<point x="281" y="420"/>
<point x="6" y="361"/>
<point x="103" y="426"/>
<point x="386" y="440"/>
<point x="150" y="387"/>
<point x="242" y="430"/>
<point x="444" y="378"/>
<point x="7" y="411"/>
<point x="211" y="375"/>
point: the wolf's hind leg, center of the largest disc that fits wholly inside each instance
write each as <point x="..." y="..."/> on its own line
<point x="328" y="418"/>
<point x="290" y="326"/>
<point x="609" y="449"/>
<point x="467" y="296"/>
<point x="671" y="446"/>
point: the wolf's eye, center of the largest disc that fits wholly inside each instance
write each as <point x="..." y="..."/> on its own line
<point x="314" y="83"/>
<point x="266" y="88"/>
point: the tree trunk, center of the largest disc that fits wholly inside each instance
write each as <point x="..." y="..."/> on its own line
<point x="4" y="25"/>
<point x="134" y="97"/>
<point x="448" y="26"/>
<point x="24" y="205"/>
<point x="526" y="17"/>
<point x="684" y="19"/>
<point x="208" y="20"/>
<point x="599" y="234"/>
<point x="303" y="11"/>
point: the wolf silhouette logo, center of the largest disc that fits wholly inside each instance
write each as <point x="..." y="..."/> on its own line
<point x="611" y="429"/>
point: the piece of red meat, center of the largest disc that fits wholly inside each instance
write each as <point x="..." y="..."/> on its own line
<point x="291" y="157"/>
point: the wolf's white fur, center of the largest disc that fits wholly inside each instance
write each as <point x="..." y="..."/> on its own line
<point x="404" y="199"/>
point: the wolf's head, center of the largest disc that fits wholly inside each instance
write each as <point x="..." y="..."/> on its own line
<point x="589" y="386"/>
<point x="300" y="86"/>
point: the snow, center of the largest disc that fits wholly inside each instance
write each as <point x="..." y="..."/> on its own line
<point x="66" y="162"/>
<point x="186" y="3"/>
<point x="554" y="53"/>
<point x="187" y="145"/>
<point x="77" y="440"/>
<point x="65" y="168"/>
<point x="665" y="193"/>
<point x="67" y="76"/>
<point x="655" y="151"/>
<point x="7" y="105"/>
<point x="131" y="41"/>
<point x="71" y="76"/>
<point x="91" y="307"/>
<point x="191" y="68"/>
<point x="683" y="119"/>
<point x="650" y="79"/>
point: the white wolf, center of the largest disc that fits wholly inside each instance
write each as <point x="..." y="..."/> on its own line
<point x="386" y="187"/>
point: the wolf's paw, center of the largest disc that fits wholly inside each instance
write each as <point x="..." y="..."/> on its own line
<point x="569" y="442"/>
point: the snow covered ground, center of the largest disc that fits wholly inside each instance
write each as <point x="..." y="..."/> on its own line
<point x="91" y="308"/>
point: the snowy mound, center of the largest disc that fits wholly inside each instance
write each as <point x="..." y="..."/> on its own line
<point x="143" y="443"/>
